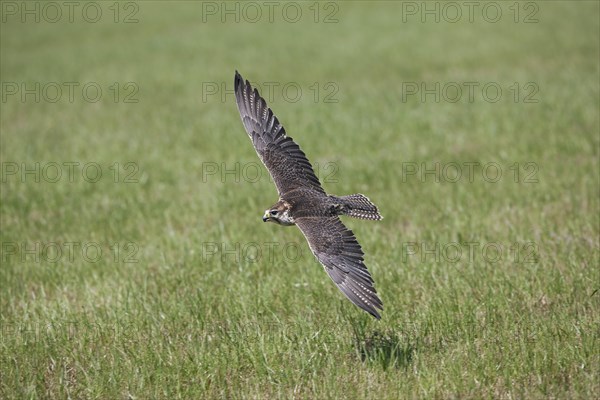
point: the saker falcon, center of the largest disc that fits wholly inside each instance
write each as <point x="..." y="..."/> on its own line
<point x="303" y="202"/>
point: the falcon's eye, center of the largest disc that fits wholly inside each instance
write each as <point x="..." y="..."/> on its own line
<point x="273" y="212"/>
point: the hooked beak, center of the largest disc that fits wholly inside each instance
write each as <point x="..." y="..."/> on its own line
<point x="266" y="217"/>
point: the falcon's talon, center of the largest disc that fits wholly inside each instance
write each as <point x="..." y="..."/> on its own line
<point x="303" y="202"/>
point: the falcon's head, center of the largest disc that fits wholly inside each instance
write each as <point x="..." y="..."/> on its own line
<point x="280" y="214"/>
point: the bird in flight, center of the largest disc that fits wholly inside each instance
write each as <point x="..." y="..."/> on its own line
<point x="304" y="203"/>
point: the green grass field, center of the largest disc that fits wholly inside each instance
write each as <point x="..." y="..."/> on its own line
<point x="134" y="260"/>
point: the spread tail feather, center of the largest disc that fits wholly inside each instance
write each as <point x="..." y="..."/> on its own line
<point x="359" y="206"/>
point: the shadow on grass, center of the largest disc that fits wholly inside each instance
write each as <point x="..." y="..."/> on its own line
<point x="384" y="348"/>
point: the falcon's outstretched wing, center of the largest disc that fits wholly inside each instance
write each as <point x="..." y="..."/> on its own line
<point x="337" y="249"/>
<point x="286" y="163"/>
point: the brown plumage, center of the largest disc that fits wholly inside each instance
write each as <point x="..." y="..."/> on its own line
<point x="303" y="202"/>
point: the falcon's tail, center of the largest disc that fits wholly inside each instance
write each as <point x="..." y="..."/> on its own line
<point x="359" y="206"/>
